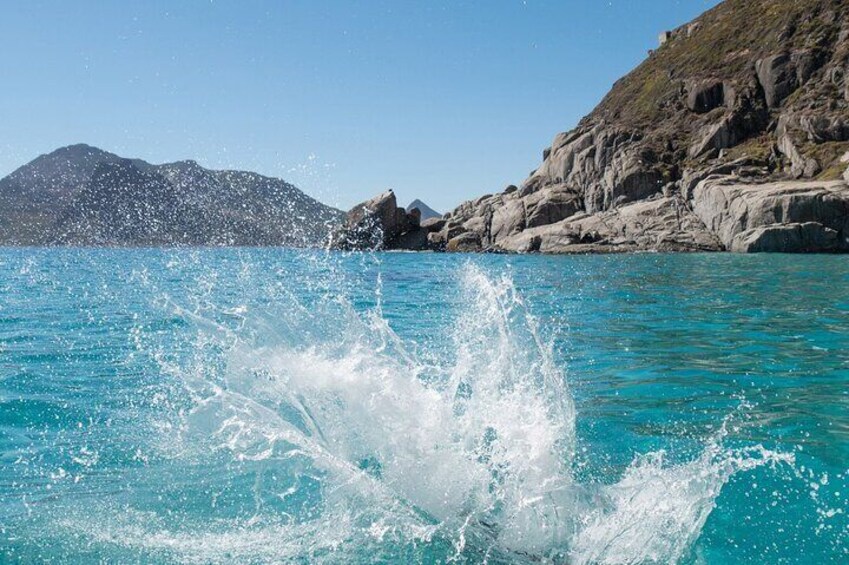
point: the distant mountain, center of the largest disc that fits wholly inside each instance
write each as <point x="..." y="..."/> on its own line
<point x="81" y="195"/>
<point x="427" y="211"/>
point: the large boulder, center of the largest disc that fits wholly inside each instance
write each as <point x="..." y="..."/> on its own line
<point x="705" y="95"/>
<point x="781" y="74"/>
<point x="416" y="239"/>
<point x="789" y="216"/>
<point x="777" y="77"/>
<point x="434" y="224"/>
<point x="788" y="238"/>
<point x="436" y="241"/>
<point x="378" y="223"/>
<point x="468" y="241"/>
<point x="551" y="205"/>
<point x="800" y="165"/>
<point x="507" y="219"/>
<point x="714" y="137"/>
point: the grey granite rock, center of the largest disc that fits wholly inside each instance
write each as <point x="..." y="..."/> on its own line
<point x="789" y="238"/>
<point x="747" y="216"/>
<point x="800" y="165"/>
<point x="662" y="223"/>
<point x="434" y="224"/>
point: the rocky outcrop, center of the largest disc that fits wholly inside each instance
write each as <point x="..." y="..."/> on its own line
<point x="712" y="210"/>
<point x="800" y="165"/>
<point x="777" y="77"/>
<point x="601" y="165"/>
<point x="791" y="238"/>
<point x="727" y="137"/>
<point x="787" y="216"/>
<point x="468" y="241"/>
<point x="379" y="224"/>
<point x="661" y="223"/>
<point x="705" y="95"/>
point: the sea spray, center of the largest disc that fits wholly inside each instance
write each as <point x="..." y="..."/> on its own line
<point x="314" y="408"/>
<point x="477" y="449"/>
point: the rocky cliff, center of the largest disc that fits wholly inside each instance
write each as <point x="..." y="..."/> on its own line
<point x="732" y="135"/>
<point x="81" y="195"/>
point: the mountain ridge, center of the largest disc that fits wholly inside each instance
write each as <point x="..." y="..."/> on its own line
<point x="83" y="195"/>
<point x="426" y="211"/>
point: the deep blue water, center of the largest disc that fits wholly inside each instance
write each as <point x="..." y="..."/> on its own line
<point x="272" y="406"/>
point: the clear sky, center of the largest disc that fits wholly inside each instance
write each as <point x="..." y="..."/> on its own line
<point x="442" y="101"/>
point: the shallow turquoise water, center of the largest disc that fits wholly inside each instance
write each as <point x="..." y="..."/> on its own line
<point x="265" y="406"/>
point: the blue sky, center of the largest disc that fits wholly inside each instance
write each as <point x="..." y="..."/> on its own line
<point x="442" y="101"/>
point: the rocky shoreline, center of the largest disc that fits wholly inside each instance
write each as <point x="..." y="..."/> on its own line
<point x="733" y="135"/>
<point x="719" y="213"/>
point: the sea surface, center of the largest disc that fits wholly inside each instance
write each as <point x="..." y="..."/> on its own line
<point x="274" y="406"/>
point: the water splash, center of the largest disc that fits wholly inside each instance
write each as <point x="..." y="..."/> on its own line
<point x="465" y="451"/>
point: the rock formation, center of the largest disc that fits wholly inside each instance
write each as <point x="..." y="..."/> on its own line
<point x="728" y="137"/>
<point x="81" y="195"/>
<point x="380" y="224"/>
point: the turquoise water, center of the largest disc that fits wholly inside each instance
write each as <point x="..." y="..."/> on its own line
<point x="269" y="406"/>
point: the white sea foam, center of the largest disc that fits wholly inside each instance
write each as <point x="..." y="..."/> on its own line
<point x="473" y="444"/>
